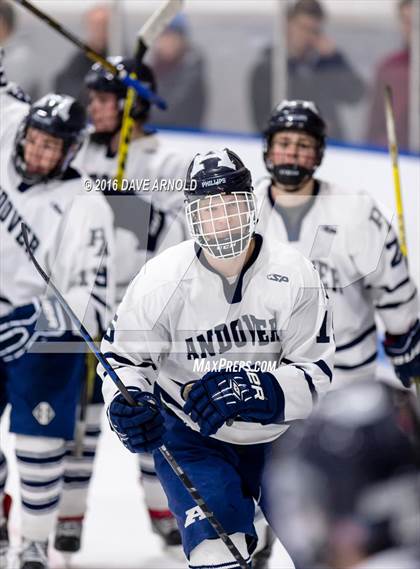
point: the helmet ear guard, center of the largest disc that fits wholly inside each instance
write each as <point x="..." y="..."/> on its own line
<point x="299" y="116"/>
<point x="220" y="203"/>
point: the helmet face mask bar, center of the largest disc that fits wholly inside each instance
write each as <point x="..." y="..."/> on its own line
<point x="222" y="224"/>
<point x="60" y="116"/>
<point x="220" y="204"/>
<point x="296" y="116"/>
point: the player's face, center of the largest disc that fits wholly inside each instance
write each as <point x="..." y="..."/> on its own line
<point x="293" y="148"/>
<point x="103" y="111"/>
<point x="223" y="215"/>
<point x="42" y="151"/>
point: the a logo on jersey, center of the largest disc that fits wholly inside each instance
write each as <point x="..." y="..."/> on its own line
<point x="43" y="413"/>
<point x="193" y="515"/>
<point x="11" y="220"/>
<point x="329" y="276"/>
<point x="245" y="330"/>
<point x="277" y="278"/>
<point x="329" y="229"/>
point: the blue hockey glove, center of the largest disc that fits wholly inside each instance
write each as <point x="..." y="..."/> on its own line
<point x="139" y="428"/>
<point x="219" y="396"/>
<point x="39" y="320"/>
<point x="404" y="353"/>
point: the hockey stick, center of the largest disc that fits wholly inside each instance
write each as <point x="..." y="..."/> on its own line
<point x="183" y="477"/>
<point x="146" y="36"/>
<point x="393" y="151"/>
<point x="119" y="71"/>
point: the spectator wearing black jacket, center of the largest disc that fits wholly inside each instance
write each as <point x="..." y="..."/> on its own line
<point x="317" y="70"/>
<point x="70" y="80"/>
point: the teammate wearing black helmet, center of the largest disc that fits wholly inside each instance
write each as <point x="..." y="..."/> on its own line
<point x="149" y="157"/>
<point x="144" y="224"/>
<point x="49" y="138"/>
<point x="106" y="100"/>
<point x="296" y="130"/>
<point x="71" y="233"/>
<point x="349" y="240"/>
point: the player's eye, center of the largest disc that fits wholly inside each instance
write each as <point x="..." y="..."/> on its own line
<point x="305" y="146"/>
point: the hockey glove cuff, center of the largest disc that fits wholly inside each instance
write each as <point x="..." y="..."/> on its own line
<point x="404" y="353"/>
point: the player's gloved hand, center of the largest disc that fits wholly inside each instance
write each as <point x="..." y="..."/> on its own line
<point x="219" y="396"/>
<point x="139" y="428"/>
<point x="38" y="320"/>
<point x="404" y="353"/>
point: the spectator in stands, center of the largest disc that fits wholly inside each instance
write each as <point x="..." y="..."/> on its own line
<point x="317" y="69"/>
<point x="70" y="80"/>
<point x="180" y="73"/>
<point x="394" y="70"/>
<point x="18" y="58"/>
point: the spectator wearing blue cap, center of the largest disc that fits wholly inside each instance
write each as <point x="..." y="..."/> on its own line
<point x="180" y="73"/>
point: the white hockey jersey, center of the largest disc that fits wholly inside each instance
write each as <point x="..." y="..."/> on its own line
<point x="70" y="232"/>
<point x="357" y="254"/>
<point x="12" y="111"/>
<point x="144" y="222"/>
<point x="179" y="319"/>
<point x="149" y="159"/>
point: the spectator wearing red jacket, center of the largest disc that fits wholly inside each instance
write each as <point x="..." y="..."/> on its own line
<point x="394" y="70"/>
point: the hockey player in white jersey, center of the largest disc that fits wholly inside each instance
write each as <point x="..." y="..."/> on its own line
<point x="349" y="240"/>
<point x="225" y="343"/>
<point x="41" y="359"/>
<point x="141" y="229"/>
<point x="150" y="161"/>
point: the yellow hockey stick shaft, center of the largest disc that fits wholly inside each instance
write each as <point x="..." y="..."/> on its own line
<point x="152" y="28"/>
<point x="393" y="151"/>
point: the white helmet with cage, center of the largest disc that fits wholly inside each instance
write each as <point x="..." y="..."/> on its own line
<point x="220" y="203"/>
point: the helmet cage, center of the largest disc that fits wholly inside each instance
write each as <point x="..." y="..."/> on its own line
<point x="238" y="212"/>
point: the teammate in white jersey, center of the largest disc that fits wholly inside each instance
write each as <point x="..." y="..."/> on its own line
<point x="141" y="229"/>
<point x="151" y="163"/>
<point x="349" y="240"/>
<point x="256" y="320"/>
<point x="71" y="233"/>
